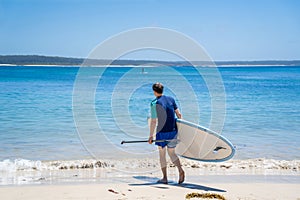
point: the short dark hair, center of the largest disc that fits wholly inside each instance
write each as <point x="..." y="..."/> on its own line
<point x="158" y="87"/>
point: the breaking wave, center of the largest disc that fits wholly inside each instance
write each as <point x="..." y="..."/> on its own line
<point x="257" y="164"/>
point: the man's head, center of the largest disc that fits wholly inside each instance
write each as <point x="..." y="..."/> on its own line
<point x="158" y="89"/>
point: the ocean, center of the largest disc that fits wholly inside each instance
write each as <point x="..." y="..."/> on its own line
<point x="44" y="115"/>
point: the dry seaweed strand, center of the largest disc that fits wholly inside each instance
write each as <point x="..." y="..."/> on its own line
<point x="205" y="195"/>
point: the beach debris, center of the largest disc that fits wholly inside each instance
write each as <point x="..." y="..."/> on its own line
<point x="204" y="196"/>
<point x="78" y="164"/>
<point x="111" y="190"/>
<point x="41" y="179"/>
<point x="195" y="166"/>
<point x="226" y="165"/>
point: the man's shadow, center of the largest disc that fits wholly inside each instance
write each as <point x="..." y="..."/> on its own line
<point x="153" y="181"/>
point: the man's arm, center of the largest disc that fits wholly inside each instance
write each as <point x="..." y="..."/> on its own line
<point x="152" y="129"/>
<point x="178" y="114"/>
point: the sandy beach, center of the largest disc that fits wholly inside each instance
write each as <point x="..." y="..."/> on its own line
<point x="232" y="179"/>
<point x="145" y="191"/>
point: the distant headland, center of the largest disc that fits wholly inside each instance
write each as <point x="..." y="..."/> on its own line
<point x="66" y="61"/>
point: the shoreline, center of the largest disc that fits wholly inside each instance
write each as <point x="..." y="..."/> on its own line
<point x="21" y="164"/>
<point x="126" y="179"/>
<point x="26" y="172"/>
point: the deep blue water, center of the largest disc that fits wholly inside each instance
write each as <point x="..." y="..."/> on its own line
<point x="261" y="116"/>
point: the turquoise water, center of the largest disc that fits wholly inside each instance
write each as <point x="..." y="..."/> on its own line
<point x="261" y="119"/>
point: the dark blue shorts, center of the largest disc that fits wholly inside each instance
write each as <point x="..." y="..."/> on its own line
<point x="167" y="136"/>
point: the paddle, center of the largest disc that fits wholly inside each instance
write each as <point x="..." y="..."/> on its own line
<point x="139" y="141"/>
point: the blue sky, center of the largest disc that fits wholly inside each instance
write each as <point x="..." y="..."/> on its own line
<point x="228" y="30"/>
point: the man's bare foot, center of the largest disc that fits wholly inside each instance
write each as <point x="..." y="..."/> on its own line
<point x="181" y="177"/>
<point x="163" y="181"/>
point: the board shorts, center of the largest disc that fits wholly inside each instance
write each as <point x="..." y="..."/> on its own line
<point x="167" y="136"/>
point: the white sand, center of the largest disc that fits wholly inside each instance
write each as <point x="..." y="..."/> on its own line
<point x="124" y="191"/>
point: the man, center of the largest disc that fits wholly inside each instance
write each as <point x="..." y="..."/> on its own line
<point x="163" y="110"/>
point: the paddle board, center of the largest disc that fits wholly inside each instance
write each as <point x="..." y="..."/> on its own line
<point x="199" y="143"/>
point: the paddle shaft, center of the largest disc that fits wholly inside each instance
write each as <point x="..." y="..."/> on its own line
<point x="139" y="141"/>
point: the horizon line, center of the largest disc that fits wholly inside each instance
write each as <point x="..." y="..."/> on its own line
<point x="157" y="60"/>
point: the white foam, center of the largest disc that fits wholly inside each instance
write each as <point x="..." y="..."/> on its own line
<point x="23" y="171"/>
<point x="249" y="164"/>
<point x="20" y="164"/>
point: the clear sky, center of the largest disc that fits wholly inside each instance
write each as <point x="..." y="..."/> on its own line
<point x="227" y="29"/>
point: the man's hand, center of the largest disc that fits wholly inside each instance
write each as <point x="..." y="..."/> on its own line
<point x="178" y="113"/>
<point x="150" y="140"/>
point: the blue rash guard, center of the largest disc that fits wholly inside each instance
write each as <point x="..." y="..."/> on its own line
<point x="163" y="108"/>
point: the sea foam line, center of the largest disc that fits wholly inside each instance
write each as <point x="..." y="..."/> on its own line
<point x="249" y="164"/>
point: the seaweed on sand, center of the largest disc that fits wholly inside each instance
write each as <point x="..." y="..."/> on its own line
<point x="204" y="196"/>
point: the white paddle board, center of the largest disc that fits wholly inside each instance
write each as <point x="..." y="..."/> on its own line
<point x="199" y="143"/>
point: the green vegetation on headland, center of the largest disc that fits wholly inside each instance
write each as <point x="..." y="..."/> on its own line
<point x="54" y="60"/>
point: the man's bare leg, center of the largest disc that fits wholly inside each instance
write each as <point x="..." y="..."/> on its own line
<point x="176" y="162"/>
<point x="163" y="164"/>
